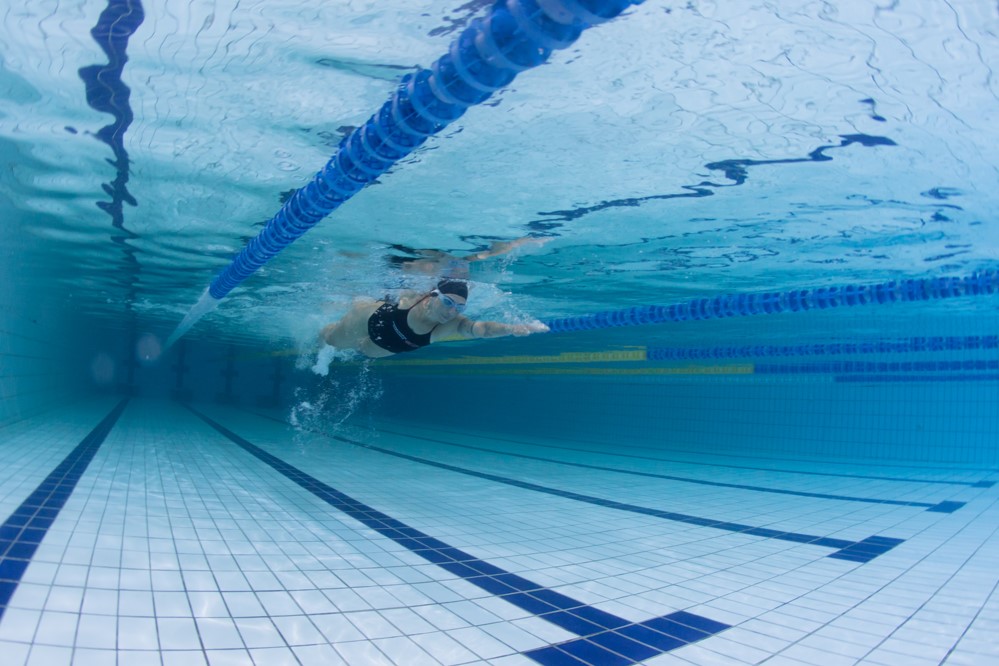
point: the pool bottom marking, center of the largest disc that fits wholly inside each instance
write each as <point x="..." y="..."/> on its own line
<point x="603" y="638"/>
<point x="855" y="551"/>
<point x="948" y="506"/>
<point x="22" y="533"/>
<point x="970" y="484"/>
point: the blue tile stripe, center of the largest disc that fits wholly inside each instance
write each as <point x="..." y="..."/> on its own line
<point x="939" y="507"/>
<point x="618" y="454"/>
<point x="881" y="346"/>
<point x="828" y="542"/>
<point x="866" y="550"/>
<point x="842" y="545"/>
<point x="608" y="638"/>
<point x="946" y="507"/>
<point x="640" y="641"/>
<point x="22" y="533"/>
<point x="632" y="456"/>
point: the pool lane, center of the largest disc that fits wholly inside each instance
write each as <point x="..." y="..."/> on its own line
<point x="983" y="483"/>
<point x="861" y="551"/>
<point x="603" y="638"/>
<point x="938" y="507"/>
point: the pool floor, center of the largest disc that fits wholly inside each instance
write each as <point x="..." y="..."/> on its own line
<point x="149" y="532"/>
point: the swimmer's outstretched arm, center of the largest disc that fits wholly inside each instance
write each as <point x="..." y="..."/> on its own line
<point x="464" y="328"/>
<point x="503" y="247"/>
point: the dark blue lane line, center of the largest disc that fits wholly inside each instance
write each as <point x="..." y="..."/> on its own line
<point x="939" y="507"/>
<point x="972" y="484"/>
<point x="604" y="638"/>
<point x="22" y="533"/>
<point x="856" y="551"/>
<point x="640" y="641"/>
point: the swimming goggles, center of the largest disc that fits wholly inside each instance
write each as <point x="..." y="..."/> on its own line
<point x="449" y="302"/>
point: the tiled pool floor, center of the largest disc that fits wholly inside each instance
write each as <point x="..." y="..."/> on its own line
<point x="208" y="534"/>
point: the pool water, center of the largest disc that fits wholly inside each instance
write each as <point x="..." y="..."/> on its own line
<point x="763" y="428"/>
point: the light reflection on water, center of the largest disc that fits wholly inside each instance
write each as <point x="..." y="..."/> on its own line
<point x="673" y="153"/>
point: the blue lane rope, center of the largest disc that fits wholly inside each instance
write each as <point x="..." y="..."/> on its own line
<point x="980" y="283"/>
<point x="516" y="35"/>
<point x="913" y="345"/>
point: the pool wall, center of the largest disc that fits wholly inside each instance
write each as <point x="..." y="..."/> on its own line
<point x="42" y="359"/>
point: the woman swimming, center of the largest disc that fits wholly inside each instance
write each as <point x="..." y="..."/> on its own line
<point x="380" y="328"/>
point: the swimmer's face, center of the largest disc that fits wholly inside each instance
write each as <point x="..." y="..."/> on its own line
<point x="446" y="306"/>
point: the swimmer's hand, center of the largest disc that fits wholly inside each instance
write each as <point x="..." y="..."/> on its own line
<point x="526" y="329"/>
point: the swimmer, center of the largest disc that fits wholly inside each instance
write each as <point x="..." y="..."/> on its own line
<point x="379" y="328"/>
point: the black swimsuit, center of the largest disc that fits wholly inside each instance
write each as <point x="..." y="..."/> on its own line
<point x="389" y="329"/>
